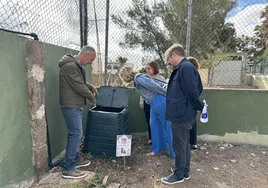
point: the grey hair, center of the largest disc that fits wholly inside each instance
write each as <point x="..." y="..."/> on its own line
<point x="87" y="49"/>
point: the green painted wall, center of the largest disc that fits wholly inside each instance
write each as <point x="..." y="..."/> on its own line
<point x="15" y="136"/>
<point x="229" y="111"/>
<point x="55" y="120"/>
<point x="136" y="115"/>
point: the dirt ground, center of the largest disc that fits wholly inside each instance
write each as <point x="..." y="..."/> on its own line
<point x="213" y="165"/>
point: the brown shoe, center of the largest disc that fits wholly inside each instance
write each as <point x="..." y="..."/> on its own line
<point x="82" y="163"/>
<point x="74" y="174"/>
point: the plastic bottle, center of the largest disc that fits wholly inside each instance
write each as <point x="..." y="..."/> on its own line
<point x="204" y="114"/>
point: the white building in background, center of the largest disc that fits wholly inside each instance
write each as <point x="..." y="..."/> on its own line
<point x="112" y="67"/>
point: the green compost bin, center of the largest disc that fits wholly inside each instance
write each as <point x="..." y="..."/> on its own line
<point x="108" y="119"/>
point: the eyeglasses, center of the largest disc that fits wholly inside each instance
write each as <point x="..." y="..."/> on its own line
<point x="168" y="58"/>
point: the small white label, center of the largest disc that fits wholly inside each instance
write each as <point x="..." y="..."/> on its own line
<point x="123" y="145"/>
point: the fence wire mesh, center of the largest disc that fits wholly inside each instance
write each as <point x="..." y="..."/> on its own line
<point x="228" y="37"/>
<point x="54" y="21"/>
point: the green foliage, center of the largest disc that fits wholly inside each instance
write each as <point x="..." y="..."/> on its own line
<point x="256" y="46"/>
<point x="143" y="70"/>
<point x="209" y="32"/>
<point x="88" y="156"/>
<point x="97" y="181"/>
<point x="143" y="28"/>
<point x="121" y="60"/>
<point x="158" y="27"/>
<point x="76" y="186"/>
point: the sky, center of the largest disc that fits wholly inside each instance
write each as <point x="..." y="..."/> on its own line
<point x="242" y="4"/>
<point x="51" y="20"/>
<point x="246" y="16"/>
<point x="51" y="17"/>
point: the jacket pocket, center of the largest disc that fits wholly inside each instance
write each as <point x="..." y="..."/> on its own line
<point x="174" y="110"/>
<point x="178" y="108"/>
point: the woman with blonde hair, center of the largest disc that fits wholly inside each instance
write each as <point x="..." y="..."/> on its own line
<point x="153" y="93"/>
<point x="193" y="131"/>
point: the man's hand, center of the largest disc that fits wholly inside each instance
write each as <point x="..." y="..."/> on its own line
<point x="199" y="112"/>
<point x="141" y="105"/>
<point x="94" y="91"/>
<point x="93" y="106"/>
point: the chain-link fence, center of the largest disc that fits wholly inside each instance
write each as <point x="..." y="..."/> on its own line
<point x="228" y="37"/>
<point x="54" y="21"/>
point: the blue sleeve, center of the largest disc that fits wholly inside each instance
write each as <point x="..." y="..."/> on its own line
<point x="189" y="84"/>
<point x="149" y="84"/>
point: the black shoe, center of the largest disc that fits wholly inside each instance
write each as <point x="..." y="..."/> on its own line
<point x="194" y="147"/>
<point x="172" y="179"/>
<point x="186" y="177"/>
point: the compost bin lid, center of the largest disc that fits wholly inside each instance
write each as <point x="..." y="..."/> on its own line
<point x="116" y="97"/>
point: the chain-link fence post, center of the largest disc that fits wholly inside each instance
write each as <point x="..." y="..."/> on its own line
<point x="189" y="22"/>
<point x="85" y="22"/>
<point x="106" y="38"/>
<point x="81" y="23"/>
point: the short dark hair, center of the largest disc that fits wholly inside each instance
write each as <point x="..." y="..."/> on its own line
<point x="154" y="66"/>
<point x="178" y="50"/>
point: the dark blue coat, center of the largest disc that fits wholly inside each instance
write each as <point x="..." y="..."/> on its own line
<point x="184" y="88"/>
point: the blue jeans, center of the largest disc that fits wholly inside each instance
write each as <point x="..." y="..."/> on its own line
<point x="73" y="120"/>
